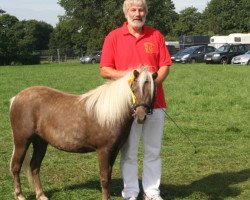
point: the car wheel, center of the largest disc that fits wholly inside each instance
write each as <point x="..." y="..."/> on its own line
<point x="248" y="63"/>
<point x="193" y="61"/>
<point x="223" y="61"/>
<point x="93" y="61"/>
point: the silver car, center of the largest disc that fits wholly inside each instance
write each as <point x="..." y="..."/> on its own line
<point x="92" y="58"/>
<point x="243" y="59"/>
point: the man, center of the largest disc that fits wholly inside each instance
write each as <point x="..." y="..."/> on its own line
<point x="126" y="48"/>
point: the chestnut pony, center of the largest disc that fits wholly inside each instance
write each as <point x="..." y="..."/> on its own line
<point x="99" y="120"/>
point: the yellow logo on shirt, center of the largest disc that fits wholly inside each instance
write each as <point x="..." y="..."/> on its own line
<point x="149" y="47"/>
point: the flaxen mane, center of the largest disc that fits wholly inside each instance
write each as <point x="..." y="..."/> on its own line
<point x="109" y="101"/>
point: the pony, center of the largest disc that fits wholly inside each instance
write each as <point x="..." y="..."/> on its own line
<point x="99" y="120"/>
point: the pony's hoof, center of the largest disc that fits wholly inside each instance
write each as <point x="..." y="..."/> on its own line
<point x="20" y="197"/>
<point x="42" y="197"/>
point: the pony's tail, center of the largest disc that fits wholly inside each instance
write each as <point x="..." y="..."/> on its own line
<point x="26" y="168"/>
<point x="11" y="101"/>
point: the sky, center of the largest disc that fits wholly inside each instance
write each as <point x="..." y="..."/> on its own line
<point x="49" y="10"/>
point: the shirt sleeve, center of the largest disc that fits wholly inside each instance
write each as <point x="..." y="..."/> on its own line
<point x="164" y="59"/>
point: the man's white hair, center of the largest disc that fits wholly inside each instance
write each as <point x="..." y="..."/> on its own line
<point x="128" y="3"/>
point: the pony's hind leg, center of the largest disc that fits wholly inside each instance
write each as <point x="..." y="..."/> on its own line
<point x="39" y="150"/>
<point x="19" y="151"/>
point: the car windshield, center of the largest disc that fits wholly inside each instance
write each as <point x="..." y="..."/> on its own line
<point x="248" y="52"/>
<point x="223" y="48"/>
<point x="189" y="50"/>
<point x="93" y="54"/>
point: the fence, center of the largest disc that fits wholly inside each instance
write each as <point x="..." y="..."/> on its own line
<point x="59" y="55"/>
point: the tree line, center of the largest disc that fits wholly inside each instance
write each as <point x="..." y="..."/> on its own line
<point x="87" y="22"/>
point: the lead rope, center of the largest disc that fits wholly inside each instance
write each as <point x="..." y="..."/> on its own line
<point x="190" y="141"/>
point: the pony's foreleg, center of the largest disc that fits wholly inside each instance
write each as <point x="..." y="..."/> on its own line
<point x="40" y="147"/>
<point x="105" y="172"/>
<point x="18" y="156"/>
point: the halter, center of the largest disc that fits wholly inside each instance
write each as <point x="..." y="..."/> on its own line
<point x="133" y="97"/>
<point x="148" y="108"/>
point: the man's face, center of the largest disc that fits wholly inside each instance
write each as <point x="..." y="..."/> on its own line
<point x="136" y="16"/>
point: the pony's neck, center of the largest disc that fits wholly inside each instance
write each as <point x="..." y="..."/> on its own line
<point x="110" y="103"/>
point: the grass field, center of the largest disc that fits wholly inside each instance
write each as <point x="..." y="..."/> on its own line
<point x="211" y="104"/>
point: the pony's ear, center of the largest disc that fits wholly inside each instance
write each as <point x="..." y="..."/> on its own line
<point x="154" y="75"/>
<point x="136" y="74"/>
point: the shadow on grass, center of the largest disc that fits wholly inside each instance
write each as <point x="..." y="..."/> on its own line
<point x="216" y="187"/>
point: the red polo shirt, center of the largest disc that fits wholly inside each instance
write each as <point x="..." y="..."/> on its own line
<point x="123" y="51"/>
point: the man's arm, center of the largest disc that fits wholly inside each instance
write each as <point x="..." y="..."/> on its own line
<point x="162" y="74"/>
<point x="110" y="73"/>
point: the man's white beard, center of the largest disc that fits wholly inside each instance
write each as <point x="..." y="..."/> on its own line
<point x="136" y="23"/>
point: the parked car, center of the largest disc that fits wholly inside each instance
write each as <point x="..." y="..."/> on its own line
<point x="192" y="54"/>
<point x="225" y="53"/>
<point x="92" y="58"/>
<point x="243" y="59"/>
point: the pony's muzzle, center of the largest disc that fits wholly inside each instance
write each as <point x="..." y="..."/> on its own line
<point x="140" y="114"/>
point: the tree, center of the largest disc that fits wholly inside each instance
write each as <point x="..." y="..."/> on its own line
<point x="63" y="34"/>
<point x="187" y="22"/>
<point x="162" y="15"/>
<point x="91" y="21"/>
<point x="2" y="11"/>
<point x="226" y="16"/>
<point x="94" y="19"/>
<point x="19" y="39"/>
<point x="32" y="35"/>
<point x="7" y="43"/>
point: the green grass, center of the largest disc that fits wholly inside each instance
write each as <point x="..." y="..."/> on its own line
<point x="211" y="104"/>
